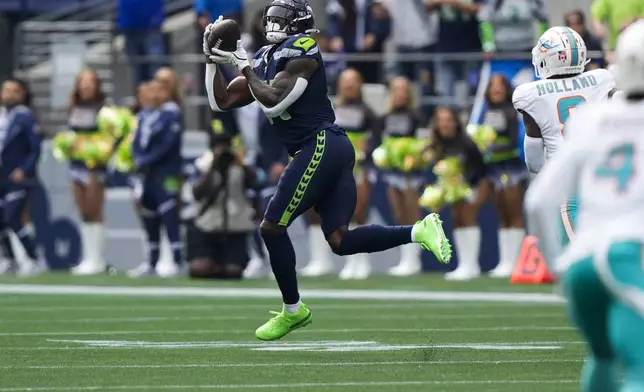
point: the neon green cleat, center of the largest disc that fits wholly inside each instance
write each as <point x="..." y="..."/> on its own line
<point x="283" y="323"/>
<point x="431" y="237"/>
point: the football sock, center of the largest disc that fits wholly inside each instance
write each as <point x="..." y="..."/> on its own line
<point x="373" y="238"/>
<point x="293" y="308"/>
<point x="282" y="257"/>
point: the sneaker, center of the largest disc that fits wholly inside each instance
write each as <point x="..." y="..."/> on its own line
<point x="431" y="237"/>
<point x="31" y="268"/>
<point x="317" y="267"/>
<point x="6" y="267"/>
<point x="170" y="270"/>
<point x="88" y="267"/>
<point x="283" y="323"/>
<point x="256" y="269"/>
<point x="144" y="270"/>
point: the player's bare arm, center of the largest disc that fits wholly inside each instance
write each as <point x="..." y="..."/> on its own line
<point x="287" y="87"/>
<point x="533" y="144"/>
<point x="226" y="96"/>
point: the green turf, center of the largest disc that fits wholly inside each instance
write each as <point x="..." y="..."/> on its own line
<point x="73" y="342"/>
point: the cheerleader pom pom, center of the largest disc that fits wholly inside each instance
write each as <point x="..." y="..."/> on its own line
<point x="63" y="144"/>
<point x="433" y="198"/>
<point x="380" y="157"/>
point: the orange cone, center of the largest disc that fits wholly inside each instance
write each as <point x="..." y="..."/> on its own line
<point x="531" y="267"/>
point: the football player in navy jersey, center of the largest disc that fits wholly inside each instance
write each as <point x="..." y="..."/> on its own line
<point x="288" y="81"/>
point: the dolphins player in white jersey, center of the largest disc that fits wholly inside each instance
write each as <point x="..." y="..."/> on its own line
<point x="559" y="59"/>
<point x="602" y="163"/>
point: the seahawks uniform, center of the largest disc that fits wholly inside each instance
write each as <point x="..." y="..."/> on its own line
<point x="83" y="120"/>
<point x="361" y="125"/>
<point x="550" y="102"/>
<point x="320" y="175"/>
<point x="505" y="167"/>
<point x="402" y="123"/>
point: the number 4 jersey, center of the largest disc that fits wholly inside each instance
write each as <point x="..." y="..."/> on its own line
<point x="551" y="101"/>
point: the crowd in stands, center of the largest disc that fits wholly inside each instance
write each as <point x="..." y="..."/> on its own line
<point x="436" y="48"/>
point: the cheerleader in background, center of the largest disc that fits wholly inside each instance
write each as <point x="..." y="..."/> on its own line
<point x="402" y="121"/>
<point x="157" y="157"/>
<point x="451" y="147"/>
<point x="507" y="172"/>
<point x="88" y="178"/>
<point x="360" y="122"/>
<point x="19" y="154"/>
<point x="169" y="78"/>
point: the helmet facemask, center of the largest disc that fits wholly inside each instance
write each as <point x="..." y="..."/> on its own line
<point x="282" y="20"/>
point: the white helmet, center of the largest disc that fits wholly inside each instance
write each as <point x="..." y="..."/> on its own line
<point x="560" y="51"/>
<point x="629" y="58"/>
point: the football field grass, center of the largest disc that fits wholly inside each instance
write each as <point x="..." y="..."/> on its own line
<point x="59" y="333"/>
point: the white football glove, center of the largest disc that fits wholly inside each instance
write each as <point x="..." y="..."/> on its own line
<point x="238" y="58"/>
<point x="206" y="36"/>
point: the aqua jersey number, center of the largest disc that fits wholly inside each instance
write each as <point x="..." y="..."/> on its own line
<point x="618" y="166"/>
<point x="565" y="105"/>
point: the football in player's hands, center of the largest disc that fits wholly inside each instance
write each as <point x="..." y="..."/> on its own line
<point x="224" y="35"/>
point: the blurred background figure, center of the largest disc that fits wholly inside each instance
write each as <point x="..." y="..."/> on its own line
<point x="611" y="16"/>
<point x="271" y="161"/>
<point x="140" y="23"/>
<point x="506" y="172"/>
<point x="225" y="215"/>
<point x="458" y="32"/>
<point x="511" y="25"/>
<point x="449" y="140"/>
<point x="19" y="153"/>
<point x="158" y="163"/>
<point x="88" y="180"/>
<point x="415" y="32"/>
<point x="576" y="20"/>
<point x="360" y="123"/>
<point x="402" y="120"/>
<point x="358" y="26"/>
<point x="209" y="10"/>
<point x="168" y="77"/>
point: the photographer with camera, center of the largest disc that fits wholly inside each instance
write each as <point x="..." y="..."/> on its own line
<point x="225" y="212"/>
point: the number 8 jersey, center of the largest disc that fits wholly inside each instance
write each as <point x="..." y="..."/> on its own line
<point x="550" y="102"/>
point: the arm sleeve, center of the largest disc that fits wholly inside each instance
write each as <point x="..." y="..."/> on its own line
<point x="170" y="138"/>
<point x="487" y="36"/>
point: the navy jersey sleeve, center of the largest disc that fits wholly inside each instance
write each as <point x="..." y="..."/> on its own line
<point x="170" y="134"/>
<point x="296" y="47"/>
<point x="31" y="134"/>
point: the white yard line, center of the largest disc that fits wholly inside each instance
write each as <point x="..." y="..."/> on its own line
<point x="126" y="307"/>
<point x="290" y="364"/>
<point x="245" y="292"/>
<point x="373" y="316"/>
<point x="312" y="330"/>
<point x="297" y="345"/>
<point x="290" y="385"/>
